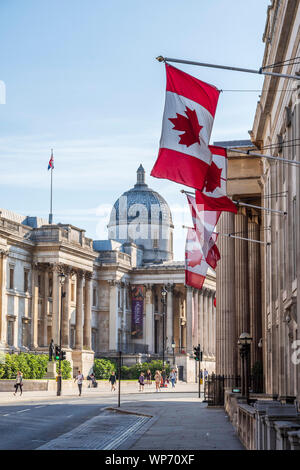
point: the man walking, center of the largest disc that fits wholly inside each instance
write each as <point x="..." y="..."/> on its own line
<point x="79" y="379"/>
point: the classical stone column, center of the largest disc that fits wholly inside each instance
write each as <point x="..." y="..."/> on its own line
<point x="226" y="339"/>
<point x="34" y="306"/>
<point x="44" y="339"/>
<point x="169" y="322"/>
<point x="189" y="319"/>
<point x="201" y="319"/>
<point x="195" y="301"/>
<point x="3" y="262"/>
<point x="79" y="311"/>
<point x="113" y="316"/>
<point x="205" y="329"/>
<point x="66" y="311"/>
<point x="124" y="319"/>
<point x="149" y="318"/>
<point x="55" y="304"/>
<point x="254" y="289"/>
<point x="210" y="322"/>
<point x="242" y="274"/>
<point x="87" y="330"/>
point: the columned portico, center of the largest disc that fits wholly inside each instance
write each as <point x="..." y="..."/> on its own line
<point x="79" y="311"/>
<point x="170" y="321"/>
<point x="87" y="331"/>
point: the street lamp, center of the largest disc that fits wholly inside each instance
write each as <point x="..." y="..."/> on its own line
<point x="62" y="279"/>
<point x="164" y="294"/>
<point x="244" y="343"/>
<point x="173" y="347"/>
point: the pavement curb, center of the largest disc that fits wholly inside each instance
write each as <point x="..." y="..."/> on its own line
<point x="119" y="410"/>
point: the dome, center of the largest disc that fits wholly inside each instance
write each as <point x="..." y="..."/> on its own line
<point x="142" y="216"/>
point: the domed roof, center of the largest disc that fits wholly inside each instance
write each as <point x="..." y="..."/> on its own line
<point x="142" y="195"/>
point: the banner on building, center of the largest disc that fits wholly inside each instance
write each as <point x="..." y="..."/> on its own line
<point x="137" y="309"/>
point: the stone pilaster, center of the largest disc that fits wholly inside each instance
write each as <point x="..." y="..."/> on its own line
<point x="34" y="306"/>
<point x="254" y="288"/>
<point x="113" y="316"/>
<point x="87" y="330"/>
<point x="189" y="319"/>
<point x="170" y="321"/>
<point x="79" y="311"/>
<point x="55" y="304"/>
<point x="149" y="318"/>
<point x="66" y="310"/>
<point x="226" y="347"/>
<point x="44" y="339"/>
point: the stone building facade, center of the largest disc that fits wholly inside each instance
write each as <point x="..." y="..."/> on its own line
<point x="100" y="276"/>
<point x="257" y="283"/>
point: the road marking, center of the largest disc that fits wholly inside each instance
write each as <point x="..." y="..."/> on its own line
<point x="42" y="406"/>
<point x="23" y="411"/>
<point x="6" y="415"/>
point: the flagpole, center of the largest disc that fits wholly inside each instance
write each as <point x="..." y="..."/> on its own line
<point x="226" y="67"/>
<point x="50" y="214"/>
<point x="235" y="236"/>
<point x="259" y="155"/>
<point x="239" y="203"/>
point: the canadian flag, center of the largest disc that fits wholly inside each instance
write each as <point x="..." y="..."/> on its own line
<point x="184" y="155"/>
<point x="204" y="223"/>
<point x="214" y="195"/>
<point x="195" y="265"/>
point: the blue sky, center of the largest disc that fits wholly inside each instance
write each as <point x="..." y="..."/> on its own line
<point x="81" y="77"/>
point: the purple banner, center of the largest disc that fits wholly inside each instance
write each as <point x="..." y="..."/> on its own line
<point x="137" y="305"/>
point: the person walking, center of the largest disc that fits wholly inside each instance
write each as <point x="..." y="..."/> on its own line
<point x="79" y="379"/>
<point x="173" y="378"/>
<point x="141" y="382"/>
<point x="19" y="382"/>
<point x="148" y="377"/>
<point x="157" y="379"/>
<point x="112" y="380"/>
<point x="163" y="376"/>
<point x="205" y="374"/>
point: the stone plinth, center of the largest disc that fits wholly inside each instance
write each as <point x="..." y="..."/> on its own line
<point x="83" y="361"/>
<point x="51" y="371"/>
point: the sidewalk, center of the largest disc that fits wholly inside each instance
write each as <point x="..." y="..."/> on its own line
<point x="184" y="423"/>
<point x="103" y="390"/>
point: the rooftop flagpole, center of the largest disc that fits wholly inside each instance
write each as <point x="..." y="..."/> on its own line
<point x="226" y="67"/>
<point x="51" y="185"/>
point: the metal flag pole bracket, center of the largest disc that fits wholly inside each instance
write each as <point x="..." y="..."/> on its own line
<point x="226" y="67"/>
<point x="259" y="155"/>
<point x="229" y="235"/>
<point x="239" y="203"/>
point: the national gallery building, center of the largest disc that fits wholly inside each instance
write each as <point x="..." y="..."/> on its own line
<point x="125" y="293"/>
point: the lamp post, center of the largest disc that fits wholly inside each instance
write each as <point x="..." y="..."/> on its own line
<point x="62" y="279"/>
<point x="244" y="343"/>
<point x="173" y="348"/>
<point x="164" y="294"/>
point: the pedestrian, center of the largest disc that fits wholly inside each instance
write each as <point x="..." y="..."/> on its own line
<point x="19" y="382"/>
<point x="92" y="380"/>
<point x="79" y="379"/>
<point x="157" y="379"/>
<point x="201" y="376"/>
<point x="148" y="377"/>
<point x="205" y="374"/>
<point x="112" y="380"/>
<point x="141" y="382"/>
<point x="173" y="378"/>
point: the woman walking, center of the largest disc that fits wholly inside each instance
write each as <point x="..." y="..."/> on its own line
<point x="19" y="382"/>
<point x="173" y="378"/>
<point x="141" y="382"/>
<point x="157" y="379"/>
<point x="112" y="380"/>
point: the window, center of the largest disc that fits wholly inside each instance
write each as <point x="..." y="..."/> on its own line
<point x="94" y="297"/>
<point x="11" y="277"/>
<point x="40" y="284"/>
<point x="156" y="303"/>
<point x="94" y="339"/>
<point x="50" y="286"/>
<point x="10" y="333"/>
<point x="26" y="278"/>
<point x="155" y="240"/>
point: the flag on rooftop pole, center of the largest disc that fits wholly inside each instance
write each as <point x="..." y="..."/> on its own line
<point x="190" y="105"/>
<point x="204" y="223"/>
<point x="195" y="265"/>
<point x="51" y="161"/>
<point x="214" y="197"/>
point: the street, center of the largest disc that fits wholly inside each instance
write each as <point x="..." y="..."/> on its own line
<point x="147" y="421"/>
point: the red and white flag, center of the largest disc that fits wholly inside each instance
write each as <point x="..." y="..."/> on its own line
<point x="195" y="265"/>
<point x="213" y="197"/>
<point x="204" y="223"/>
<point x="190" y="106"/>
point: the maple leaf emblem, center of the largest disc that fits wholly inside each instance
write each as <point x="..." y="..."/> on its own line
<point x="194" y="258"/>
<point x="213" y="178"/>
<point x="190" y="126"/>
